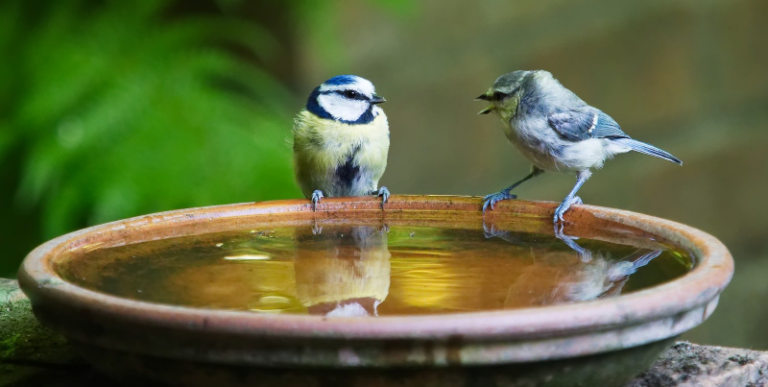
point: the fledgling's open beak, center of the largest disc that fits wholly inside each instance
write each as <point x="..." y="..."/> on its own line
<point x="487" y="110"/>
<point x="485" y="97"/>
<point x="377" y="99"/>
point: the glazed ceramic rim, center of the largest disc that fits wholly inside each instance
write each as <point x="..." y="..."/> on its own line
<point x="641" y="317"/>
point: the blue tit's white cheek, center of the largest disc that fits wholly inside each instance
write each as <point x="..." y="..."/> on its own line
<point x="342" y="108"/>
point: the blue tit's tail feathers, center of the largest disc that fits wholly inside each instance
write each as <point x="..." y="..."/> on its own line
<point x="648" y="149"/>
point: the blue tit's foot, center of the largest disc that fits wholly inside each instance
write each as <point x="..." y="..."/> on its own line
<point x="316" y="196"/>
<point x="384" y="193"/>
<point x="490" y="232"/>
<point x="584" y="254"/>
<point x="507" y="236"/>
<point x="317" y="229"/>
<point x="494" y="198"/>
<point x="564" y="206"/>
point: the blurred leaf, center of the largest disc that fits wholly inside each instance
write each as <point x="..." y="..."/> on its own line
<point x="408" y="8"/>
<point x="131" y="113"/>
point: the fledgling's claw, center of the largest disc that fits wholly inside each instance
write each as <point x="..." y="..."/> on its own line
<point x="494" y="198"/>
<point x="384" y="193"/>
<point x="316" y="196"/>
<point x="564" y="206"/>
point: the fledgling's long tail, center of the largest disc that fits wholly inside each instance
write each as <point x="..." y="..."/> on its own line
<point x="648" y="149"/>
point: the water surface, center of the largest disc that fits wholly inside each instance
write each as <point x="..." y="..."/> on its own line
<point x="364" y="270"/>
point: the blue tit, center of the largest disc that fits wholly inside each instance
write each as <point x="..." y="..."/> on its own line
<point x="556" y="131"/>
<point x="341" y="141"/>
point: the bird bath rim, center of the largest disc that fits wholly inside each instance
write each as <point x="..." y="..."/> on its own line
<point x="490" y="337"/>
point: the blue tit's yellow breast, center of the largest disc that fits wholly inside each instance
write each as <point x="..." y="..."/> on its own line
<point x="321" y="145"/>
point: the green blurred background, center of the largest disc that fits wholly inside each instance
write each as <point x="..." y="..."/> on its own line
<point x="110" y="109"/>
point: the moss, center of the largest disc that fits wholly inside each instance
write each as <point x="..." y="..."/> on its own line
<point x="8" y="346"/>
<point x="22" y="338"/>
<point x="28" y="349"/>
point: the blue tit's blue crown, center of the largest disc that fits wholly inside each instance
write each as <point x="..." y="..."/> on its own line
<point x="342" y="80"/>
<point x="346" y="98"/>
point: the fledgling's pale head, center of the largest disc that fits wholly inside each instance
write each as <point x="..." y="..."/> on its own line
<point x="347" y="98"/>
<point x="505" y="93"/>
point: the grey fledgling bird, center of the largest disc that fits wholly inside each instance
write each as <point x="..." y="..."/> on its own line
<point x="556" y="131"/>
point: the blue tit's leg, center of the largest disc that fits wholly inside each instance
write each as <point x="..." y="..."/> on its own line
<point x="505" y="194"/>
<point x="316" y="196"/>
<point x="571" y="199"/>
<point x="384" y="193"/>
<point x="584" y="254"/>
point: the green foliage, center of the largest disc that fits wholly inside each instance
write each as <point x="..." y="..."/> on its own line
<point x="8" y="346"/>
<point x="122" y="110"/>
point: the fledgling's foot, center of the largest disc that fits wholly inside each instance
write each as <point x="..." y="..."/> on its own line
<point x="316" y="196"/>
<point x="494" y="198"/>
<point x="564" y="206"/>
<point x="384" y="193"/>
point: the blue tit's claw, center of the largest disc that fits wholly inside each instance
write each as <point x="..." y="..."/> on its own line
<point x="384" y="193"/>
<point x="490" y="200"/>
<point x="489" y="232"/>
<point x="316" y="196"/>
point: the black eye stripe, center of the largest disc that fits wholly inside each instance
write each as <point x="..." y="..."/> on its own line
<point x="351" y="94"/>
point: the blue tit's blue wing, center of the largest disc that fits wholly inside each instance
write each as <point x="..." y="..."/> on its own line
<point x="579" y="125"/>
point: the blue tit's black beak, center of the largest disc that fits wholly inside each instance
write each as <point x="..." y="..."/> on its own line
<point x="483" y="97"/>
<point x="377" y="99"/>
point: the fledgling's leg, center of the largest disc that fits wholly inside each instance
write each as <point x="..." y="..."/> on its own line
<point x="584" y="254"/>
<point x="571" y="199"/>
<point x="505" y="194"/>
<point x="384" y="193"/>
<point x="316" y="196"/>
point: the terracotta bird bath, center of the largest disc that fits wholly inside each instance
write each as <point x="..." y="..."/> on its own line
<point x="428" y="292"/>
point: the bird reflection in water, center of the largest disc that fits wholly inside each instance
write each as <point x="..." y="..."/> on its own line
<point x="343" y="271"/>
<point x="556" y="278"/>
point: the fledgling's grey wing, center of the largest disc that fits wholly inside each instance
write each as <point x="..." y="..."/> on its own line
<point x="583" y="124"/>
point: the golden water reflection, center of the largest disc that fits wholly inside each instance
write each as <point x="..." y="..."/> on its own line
<point x="358" y="271"/>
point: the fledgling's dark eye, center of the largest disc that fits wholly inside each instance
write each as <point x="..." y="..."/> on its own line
<point x="499" y="96"/>
<point x="351" y="94"/>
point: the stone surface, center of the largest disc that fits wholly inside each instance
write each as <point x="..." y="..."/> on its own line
<point x="691" y="365"/>
<point x="30" y="354"/>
